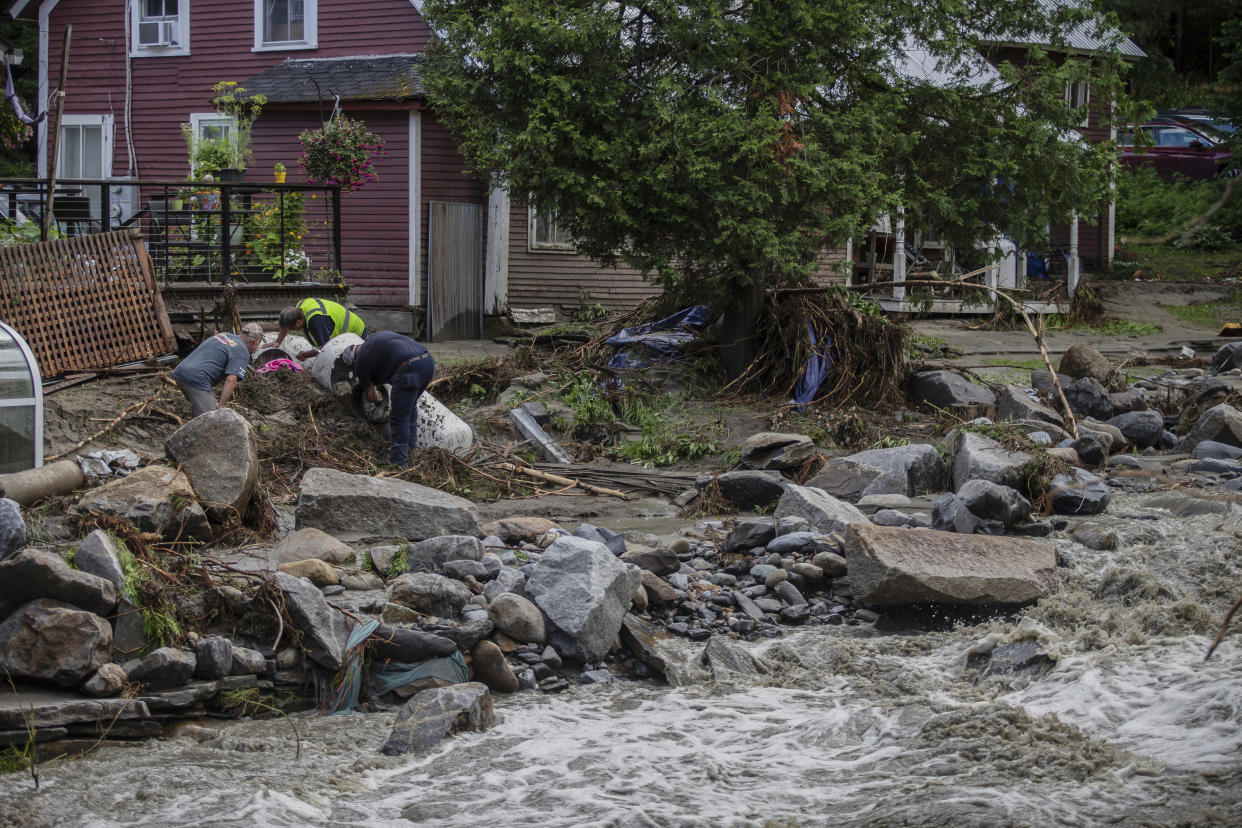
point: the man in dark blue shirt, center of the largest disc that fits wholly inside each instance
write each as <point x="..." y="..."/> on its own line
<point x="390" y="358"/>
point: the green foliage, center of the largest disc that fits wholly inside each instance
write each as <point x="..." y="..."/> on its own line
<point x="343" y="152"/>
<point x="729" y="458"/>
<point x="275" y="237"/>
<point x="1207" y="237"/>
<point x="889" y="442"/>
<point x="160" y="628"/>
<point x="1108" y="327"/>
<point x="717" y="147"/>
<point x="1149" y="206"/>
<point x="590" y="313"/>
<point x="1210" y="314"/>
<point x="400" y="563"/>
<point x="662" y="449"/>
<point x="29" y="233"/>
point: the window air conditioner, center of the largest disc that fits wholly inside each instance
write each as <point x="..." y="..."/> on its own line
<point x="157" y="33"/>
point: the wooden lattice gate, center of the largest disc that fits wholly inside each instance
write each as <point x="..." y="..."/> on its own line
<point x="86" y="302"/>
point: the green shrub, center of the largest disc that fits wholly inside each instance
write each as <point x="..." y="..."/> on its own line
<point x="1148" y="206"/>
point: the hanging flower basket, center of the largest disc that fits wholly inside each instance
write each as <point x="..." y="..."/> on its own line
<point x="341" y="152"/>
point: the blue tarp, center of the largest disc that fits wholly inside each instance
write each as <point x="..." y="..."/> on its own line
<point x="816" y="369"/>
<point x="388" y="676"/>
<point x="658" y="341"/>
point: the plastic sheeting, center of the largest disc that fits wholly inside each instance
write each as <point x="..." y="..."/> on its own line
<point x="387" y="676"/>
<point x="655" y="342"/>
<point x="817" y="368"/>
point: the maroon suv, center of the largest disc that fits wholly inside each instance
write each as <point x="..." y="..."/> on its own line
<point x="1174" y="149"/>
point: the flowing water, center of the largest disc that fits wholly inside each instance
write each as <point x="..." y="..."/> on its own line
<point x="849" y="727"/>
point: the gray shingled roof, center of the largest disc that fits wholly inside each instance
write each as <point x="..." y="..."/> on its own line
<point x="369" y="78"/>
<point x="1081" y="39"/>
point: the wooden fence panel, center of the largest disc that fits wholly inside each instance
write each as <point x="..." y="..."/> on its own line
<point x="85" y="303"/>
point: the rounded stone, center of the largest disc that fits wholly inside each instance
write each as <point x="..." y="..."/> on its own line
<point x="775" y="577"/>
<point x="518" y="618"/>
<point x="491" y="668"/>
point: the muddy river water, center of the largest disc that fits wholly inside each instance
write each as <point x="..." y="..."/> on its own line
<point x="850" y="727"/>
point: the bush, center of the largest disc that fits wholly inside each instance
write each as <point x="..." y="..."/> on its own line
<point x="1149" y="206"/>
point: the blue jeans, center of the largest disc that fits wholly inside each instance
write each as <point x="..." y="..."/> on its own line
<point x="407" y="387"/>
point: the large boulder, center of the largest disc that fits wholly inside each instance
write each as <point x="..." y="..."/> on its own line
<point x="945" y="389"/>
<point x="890" y="565"/>
<point x="358" y="505"/>
<point x="12" y="528"/>
<point x="325" y="632"/>
<point x="429" y="593"/>
<point x="1227" y="357"/>
<point x="909" y="470"/>
<point x="310" y="543"/>
<point x="584" y="592"/>
<point x="433" y="715"/>
<point x="36" y="573"/>
<point x="772" y="450"/>
<point x="163" y="669"/>
<point x="50" y="641"/>
<point x="978" y="457"/>
<point x="218" y="452"/>
<point x="156" y="498"/>
<point x="822" y="512"/>
<point x="1078" y="492"/>
<point x="1088" y="398"/>
<point x="98" y="555"/>
<point x="1220" y="424"/>
<point x="1082" y="360"/>
<point x="992" y="501"/>
<point x="1142" y="428"/>
<point x="751" y="489"/>
<point x="845" y="479"/>
<point x="518" y="618"/>
<point x="1013" y="404"/>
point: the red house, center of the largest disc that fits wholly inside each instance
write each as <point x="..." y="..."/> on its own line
<point x="141" y="68"/>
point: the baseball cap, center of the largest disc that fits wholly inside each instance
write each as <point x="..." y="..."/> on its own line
<point x="253" y="330"/>
<point x="349" y="354"/>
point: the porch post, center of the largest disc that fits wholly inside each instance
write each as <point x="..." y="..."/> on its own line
<point x="1073" y="256"/>
<point x="496" y="277"/>
<point x="899" y="257"/>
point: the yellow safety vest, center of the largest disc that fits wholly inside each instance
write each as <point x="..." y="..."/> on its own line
<point x="342" y="319"/>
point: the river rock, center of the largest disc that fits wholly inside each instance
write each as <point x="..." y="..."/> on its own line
<point x="1212" y="450"/>
<point x="1220" y="424"/>
<point x="431" y="716"/>
<point x="977" y="457"/>
<point x="1142" y="428"/>
<point x="515" y="530"/>
<point x="992" y="501"/>
<point x="772" y="450"/>
<point x="361" y="581"/>
<point x="823" y="512"/>
<point x="1088" y="398"/>
<point x="307" y="544"/>
<point x="1083" y="360"/>
<point x="218" y="452"/>
<point x="832" y="564"/>
<point x="951" y="514"/>
<point x="751" y="489"/>
<point x="1078" y="492"/>
<point x="430" y="593"/>
<point x="518" y="618"/>
<point x="1018" y="659"/>
<point x="51" y="641"/>
<point x="661" y="560"/>
<point x="156" y="499"/>
<point x="1013" y="404"/>
<point x="491" y="668"/>
<point x="945" y="389"/>
<point x="584" y="591"/>
<point x="36" y="573"/>
<point x="507" y="580"/>
<point x="213" y="657"/>
<point x="1125" y="402"/>
<point x="97" y="555"/>
<point x="642" y="639"/>
<point x="248" y="662"/>
<point x="1109" y="436"/>
<point x="1227" y="357"/>
<point x="1041" y="380"/>
<point x="409" y="646"/>
<point x="12" y="528"/>
<point x="1089" y="449"/>
<point x="466" y="635"/>
<point x="750" y="533"/>
<point x="324" y="630"/>
<point x="358" y="505"/>
<point x="107" y="681"/>
<point x="845" y="479"/>
<point x="162" y="669"/>
<point x="460" y="570"/>
<point x="902" y="566"/>
<point x="320" y="573"/>
<point x="658" y="590"/>
<point x="908" y="470"/>
<point x="432" y="554"/>
<point x="727" y="660"/>
<point x="795" y="543"/>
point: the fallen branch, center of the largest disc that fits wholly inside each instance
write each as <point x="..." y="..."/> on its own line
<point x="115" y="422"/>
<point x="562" y="481"/>
<point x="1224" y="627"/>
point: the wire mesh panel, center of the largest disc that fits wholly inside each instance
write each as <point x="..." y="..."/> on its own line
<point x="84" y="302"/>
<point x="454" y="271"/>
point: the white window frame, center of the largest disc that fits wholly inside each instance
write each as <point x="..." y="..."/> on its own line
<point x="198" y="120"/>
<point x="310" y="29"/>
<point x="105" y="123"/>
<point x="180" y="48"/>
<point x="534" y="244"/>
<point x="1078" y="96"/>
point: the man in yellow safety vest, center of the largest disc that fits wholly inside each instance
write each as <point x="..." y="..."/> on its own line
<point x="321" y="319"/>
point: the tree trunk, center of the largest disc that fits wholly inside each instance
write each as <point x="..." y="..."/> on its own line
<point x="738" y="344"/>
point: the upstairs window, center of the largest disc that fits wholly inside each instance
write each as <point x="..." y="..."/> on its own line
<point x="1078" y="96"/>
<point x="159" y="28"/>
<point x="285" y="24"/>
<point x="547" y="234"/>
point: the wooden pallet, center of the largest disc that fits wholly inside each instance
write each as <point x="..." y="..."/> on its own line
<point x="85" y="303"/>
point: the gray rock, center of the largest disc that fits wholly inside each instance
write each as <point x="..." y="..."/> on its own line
<point x="1087" y="397"/>
<point x="823" y="512"/>
<point x="409" y="646"/>
<point x="895" y="517"/>
<point x="429" y="593"/>
<point x="1109" y="436"/>
<point x="1125" y="402"/>
<point x="1142" y="428"/>
<point x="1078" y="492"/>
<point x="1041" y="380"/>
<point x="382" y="556"/>
<point x="599" y="676"/>
<point x="156" y="499"/>
<point x="213" y="657"/>
<point x="311" y="544"/>
<point x="433" y="715"/>
<point x="951" y="514"/>
<point x="218" y="452"/>
<point x="1083" y="360"/>
<point x="727" y="660"/>
<point x="129" y="634"/>
<point x="751" y="489"/>
<point x="1227" y="357"/>
<point x="97" y="555"/>
<point x="432" y="554"/>
<point x="992" y="501"/>
<point x="944" y="389"/>
<point x="361" y="581"/>
<point x="324" y="630"/>
<point x="661" y="560"/>
<point x="584" y="592"/>
<point x="794" y="542"/>
<point x="1212" y="450"/>
<point x="1089" y="449"/>
<point x="108" y="680"/>
<point x="788" y="593"/>
<point x="466" y="635"/>
<point x="976" y="457"/>
<point x="36" y="573"/>
<point x="638" y="635"/>
<point x="490" y="667"/>
<point x="1123" y="461"/>
<point x="1022" y="659"/>
<point x="1220" y="424"/>
<point x="162" y="669"/>
<point x="1094" y="537"/>
<point x="507" y="580"/>
<point x="358" y="505"/>
<point x="461" y="570"/>
<point x="1032" y="427"/>
<point x="900" y="566"/>
<point x="248" y="662"/>
<point x="517" y="530"/>
<point x="1211" y="465"/>
<point x="908" y="470"/>
<point x="771" y="450"/>
<point x="12" y="528"/>
<point x="832" y="564"/>
<point x="748" y="534"/>
<point x="518" y="618"/>
<point x="845" y="479"/>
<point x="51" y="641"/>
<point x="1013" y="404"/>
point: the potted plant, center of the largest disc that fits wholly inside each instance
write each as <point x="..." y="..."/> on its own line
<point x="342" y="152"/>
<point x="278" y="172"/>
<point x="226" y="157"/>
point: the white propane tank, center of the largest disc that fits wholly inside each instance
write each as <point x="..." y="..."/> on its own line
<point x="437" y="426"/>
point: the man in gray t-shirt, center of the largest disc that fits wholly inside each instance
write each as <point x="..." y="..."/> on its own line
<point x="223" y="356"/>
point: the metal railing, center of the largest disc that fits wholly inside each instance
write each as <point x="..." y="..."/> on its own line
<point x="195" y="231"/>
